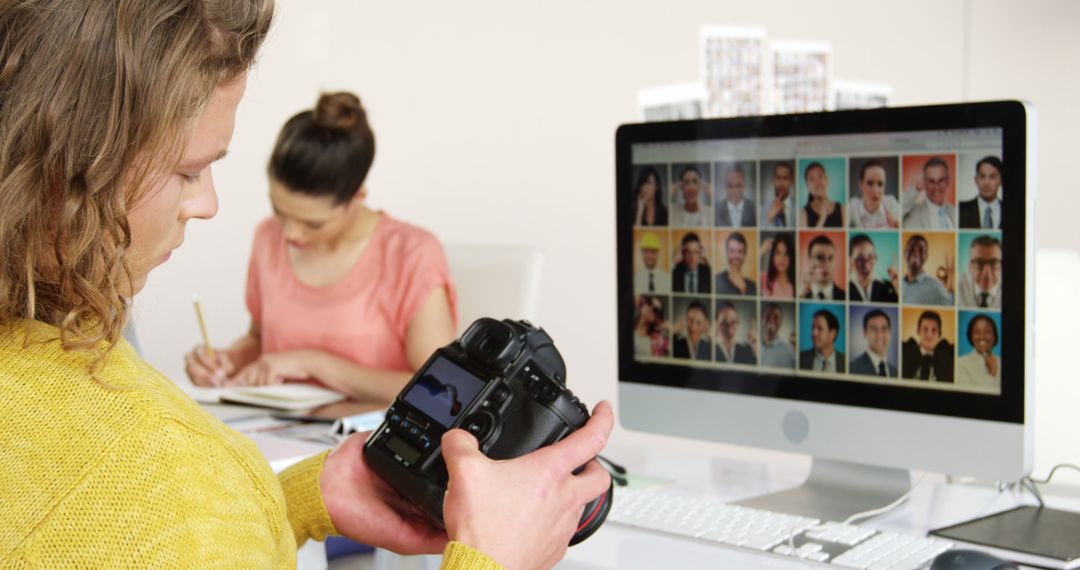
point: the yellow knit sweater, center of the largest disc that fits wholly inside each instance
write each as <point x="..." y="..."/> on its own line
<point x="126" y="471"/>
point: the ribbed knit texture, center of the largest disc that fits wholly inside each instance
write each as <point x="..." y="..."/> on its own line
<point x="126" y="471"/>
<point x="458" y="555"/>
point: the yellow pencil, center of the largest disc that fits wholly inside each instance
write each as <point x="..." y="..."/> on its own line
<point x="202" y="327"/>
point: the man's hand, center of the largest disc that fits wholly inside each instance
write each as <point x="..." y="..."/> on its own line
<point x="365" y="508"/>
<point x="522" y="512"/>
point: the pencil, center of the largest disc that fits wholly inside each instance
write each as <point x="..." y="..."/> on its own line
<point x="202" y="327"/>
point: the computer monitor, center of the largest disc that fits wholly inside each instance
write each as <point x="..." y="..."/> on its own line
<point x="848" y="285"/>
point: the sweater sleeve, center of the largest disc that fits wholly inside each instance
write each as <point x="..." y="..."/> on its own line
<point x="303" y="500"/>
<point x="458" y="556"/>
<point x="309" y="519"/>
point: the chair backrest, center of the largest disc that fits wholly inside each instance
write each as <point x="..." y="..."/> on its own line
<point x="495" y="281"/>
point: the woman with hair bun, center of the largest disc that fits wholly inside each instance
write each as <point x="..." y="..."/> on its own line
<point x="338" y="293"/>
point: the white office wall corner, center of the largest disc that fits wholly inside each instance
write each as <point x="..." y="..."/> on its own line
<point x="1057" y="377"/>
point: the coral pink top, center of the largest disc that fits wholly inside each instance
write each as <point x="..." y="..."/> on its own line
<point x="364" y="316"/>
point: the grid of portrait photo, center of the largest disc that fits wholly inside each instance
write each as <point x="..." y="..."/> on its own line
<point x="880" y="268"/>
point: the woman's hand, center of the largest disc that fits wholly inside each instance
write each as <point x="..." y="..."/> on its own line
<point x="274" y="369"/>
<point x="991" y="363"/>
<point x="522" y="512"/>
<point x="366" y="508"/>
<point x="642" y="204"/>
<point x="206" y="371"/>
<point x="889" y="219"/>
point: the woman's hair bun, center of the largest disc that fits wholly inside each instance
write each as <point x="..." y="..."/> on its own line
<point x="340" y="111"/>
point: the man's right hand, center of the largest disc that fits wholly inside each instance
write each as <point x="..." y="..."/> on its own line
<point x="206" y="371"/>
<point x="775" y="209"/>
<point x="522" y="512"/>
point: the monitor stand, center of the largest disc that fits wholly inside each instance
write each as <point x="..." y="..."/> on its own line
<point x="835" y="490"/>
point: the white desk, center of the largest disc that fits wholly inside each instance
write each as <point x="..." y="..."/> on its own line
<point x="735" y="474"/>
<point x="745" y="473"/>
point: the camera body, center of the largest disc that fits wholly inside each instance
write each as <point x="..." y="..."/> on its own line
<point x="503" y="382"/>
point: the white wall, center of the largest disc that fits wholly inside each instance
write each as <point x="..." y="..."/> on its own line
<point x="495" y="123"/>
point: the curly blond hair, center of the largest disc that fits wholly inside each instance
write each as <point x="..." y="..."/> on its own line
<point x="96" y="98"/>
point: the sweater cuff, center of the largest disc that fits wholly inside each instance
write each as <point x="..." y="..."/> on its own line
<point x="303" y="500"/>
<point x="458" y="556"/>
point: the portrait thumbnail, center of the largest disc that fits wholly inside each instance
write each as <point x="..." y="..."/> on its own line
<point x="874" y="186"/>
<point x="737" y="270"/>
<point x="691" y="195"/>
<point x="651" y="195"/>
<point x="929" y="270"/>
<point x="736" y="331"/>
<point x="777" y="335"/>
<point x="822" y="184"/>
<point x="691" y="271"/>
<point x="777" y="203"/>
<point x="874" y="261"/>
<point x="875" y="333"/>
<point x="979" y="190"/>
<point x="691" y="337"/>
<point x="928" y="344"/>
<point x="778" y="255"/>
<point x="822" y="338"/>
<point x="929" y="192"/>
<point x="736" y="200"/>
<point x="822" y="268"/>
<point x="652" y="258"/>
<point x="652" y="335"/>
<point x="980" y="258"/>
<point x="979" y="363"/>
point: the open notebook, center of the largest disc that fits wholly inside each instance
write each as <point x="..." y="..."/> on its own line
<point x="287" y="396"/>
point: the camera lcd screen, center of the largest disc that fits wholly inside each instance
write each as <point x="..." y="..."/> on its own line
<point x="443" y="390"/>
<point x="402" y="449"/>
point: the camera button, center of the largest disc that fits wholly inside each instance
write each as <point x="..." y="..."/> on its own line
<point x="480" y="425"/>
<point x="501" y="394"/>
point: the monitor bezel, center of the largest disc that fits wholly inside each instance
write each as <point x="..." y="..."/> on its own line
<point x="1009" y="116"/>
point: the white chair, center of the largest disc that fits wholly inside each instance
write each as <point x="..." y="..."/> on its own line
<point x="495" y="281"/>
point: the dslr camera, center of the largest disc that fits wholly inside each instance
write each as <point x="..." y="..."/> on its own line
<point x="503" y="382"/>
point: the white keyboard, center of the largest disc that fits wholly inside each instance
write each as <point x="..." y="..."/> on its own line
<point x="829" y="543"/>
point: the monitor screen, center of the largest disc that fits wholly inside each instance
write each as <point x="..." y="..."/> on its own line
<point x="854" y="258"/>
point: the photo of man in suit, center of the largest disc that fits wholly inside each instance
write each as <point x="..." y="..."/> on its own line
<point x="925" y="204"/>
<point x="728" y="349"/>
<point x="693" y="341"/>
<point x="980" y="286"/>
<point x="863" y="286"/>
<point x="877" y="328"/>
<point x="985" y="210"/>
<point x="823" y="357"/>
<point x="692" y="273"/>
<point x="778" y="207"/>
<point x="818" y="278"/>
<point x="928" y="357"/>
<point x="731" y="281"/>
<point x="651" y="278"/>
<point x="734" y="210"/>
